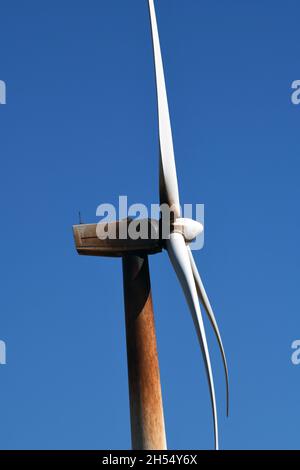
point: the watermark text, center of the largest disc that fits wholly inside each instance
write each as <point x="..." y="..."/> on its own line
<point x="138" y="222"/>
<point x="2" y="92"/>
<point x="295" y="96"/>
<point x="2" y="352"/>
<point x="295" y="357"/>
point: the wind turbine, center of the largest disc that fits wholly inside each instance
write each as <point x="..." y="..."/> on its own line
<point x="147" y="422"/>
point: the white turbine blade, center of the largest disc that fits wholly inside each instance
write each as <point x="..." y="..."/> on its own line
<point x="206" y="303"/>
<point x="168" y="178"/>
<point x="179" y="257"/>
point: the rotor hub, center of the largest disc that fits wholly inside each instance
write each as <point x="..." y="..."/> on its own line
<point x="189" y="228"/>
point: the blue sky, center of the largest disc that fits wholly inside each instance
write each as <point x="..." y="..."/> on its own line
<point x="80" y="128"/>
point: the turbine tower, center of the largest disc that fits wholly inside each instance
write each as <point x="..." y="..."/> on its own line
<point x="146" y="409"/>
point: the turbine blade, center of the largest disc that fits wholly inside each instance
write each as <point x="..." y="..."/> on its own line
<point x="206" y="303"/>
<point x="179" y="257"/>
<point x="168" y="185"/>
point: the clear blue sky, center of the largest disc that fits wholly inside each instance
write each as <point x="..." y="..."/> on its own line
<point x="80" y="128"/>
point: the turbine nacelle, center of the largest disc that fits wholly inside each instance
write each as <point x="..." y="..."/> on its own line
<point x="189" y="228"/>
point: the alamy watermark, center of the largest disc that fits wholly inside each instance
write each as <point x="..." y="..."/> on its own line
<point x="157" y="223"/>
<point x="2" y="352"/>
<point x="295" y="96"/>
<point x="295" y="357"/>
<point x="2" y="92"/>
